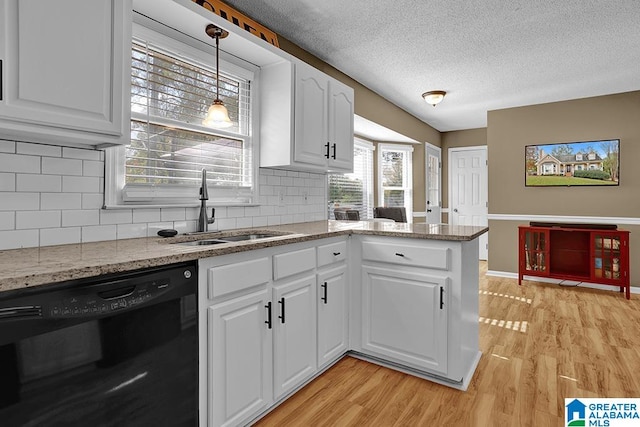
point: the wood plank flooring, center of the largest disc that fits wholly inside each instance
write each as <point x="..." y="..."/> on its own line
<point x="540" y="344"/>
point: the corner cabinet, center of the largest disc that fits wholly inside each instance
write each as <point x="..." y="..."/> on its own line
<point x="65" y="71"/>
<point x="576" y="253"/>
<point x="415" y="307"/>
<point x="306" y="119"/>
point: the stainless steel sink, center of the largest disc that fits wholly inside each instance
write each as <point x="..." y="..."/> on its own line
<point x="252" y="236"/>
<point x="231" y="239"/>
<point x="203" y="242"/>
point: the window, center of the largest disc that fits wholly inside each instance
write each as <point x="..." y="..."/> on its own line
<point x="170" y="95"/>
<point x="354" y="190"/>
<point x="395" y="177"/>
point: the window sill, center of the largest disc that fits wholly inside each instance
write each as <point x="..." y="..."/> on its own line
<point x="178" y="205"/>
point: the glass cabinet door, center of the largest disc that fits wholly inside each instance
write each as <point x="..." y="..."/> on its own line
<point x="536" y="251"/>
<point x="606" y="256"/>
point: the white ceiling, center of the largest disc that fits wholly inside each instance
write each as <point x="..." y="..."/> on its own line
<point x="487" y="54"/>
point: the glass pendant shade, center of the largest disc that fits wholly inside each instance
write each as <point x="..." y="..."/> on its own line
<point x="217" y="116"/>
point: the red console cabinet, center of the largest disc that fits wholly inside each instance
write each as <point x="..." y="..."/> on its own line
<point x="582" y="254"/>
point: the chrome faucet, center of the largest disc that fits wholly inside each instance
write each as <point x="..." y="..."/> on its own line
<point x="203" y="219"/>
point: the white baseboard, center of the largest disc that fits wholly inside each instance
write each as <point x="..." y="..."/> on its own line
<point x="510" y="275"/>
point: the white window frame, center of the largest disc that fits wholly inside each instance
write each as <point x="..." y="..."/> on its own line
<point x="407" y="179"/>
<point x="203" y="55"/>
<point x="369" y="189"/>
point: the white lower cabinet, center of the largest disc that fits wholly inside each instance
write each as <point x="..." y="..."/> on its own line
<point x="404" y="316"/>
<point x="333" y="317"/>
<point x="294" y="318"/>
<point x="240" y="352"/>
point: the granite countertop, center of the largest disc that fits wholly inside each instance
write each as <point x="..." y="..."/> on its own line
<point x="20" y="268"/>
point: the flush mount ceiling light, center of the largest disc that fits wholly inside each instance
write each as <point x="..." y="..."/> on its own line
<point x="434" y="97"/>
<point x="217" y="116"/>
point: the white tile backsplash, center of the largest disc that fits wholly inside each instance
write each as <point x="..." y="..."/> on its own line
<point x="19" y="163"/>
<point x="7" y="182"/>
<point x="61" y="166"/>
<point x="7" y="220"/>
<point x="97" y="233"/>
<point x="19" y="239"/>
<point x="80" y="184"/>
<point x="60" y="236"/>
<point x="7" y="146"/>
<point x="51" y="195"/>
<point x="38" y="183"/>
<point x="80" y="217"/>
<point x="37" y="219"/>
<point x="14" y="201"/>
<point x="60" y="201"/>
<point x="38" y="149"/>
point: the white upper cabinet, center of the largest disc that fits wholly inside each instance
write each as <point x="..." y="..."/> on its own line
<point x="306" y="119"/>
<point x="65" y="71"/>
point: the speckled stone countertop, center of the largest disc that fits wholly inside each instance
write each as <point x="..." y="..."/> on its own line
<point x="20" y="268"/>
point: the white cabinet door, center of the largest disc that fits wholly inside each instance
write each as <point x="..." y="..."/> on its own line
<point x="404" y="316"/>
<point x="332" y="315"/>
<point x="294" y="333"/>
<point x="65" y="69"/>
<point x="340" y="127"/>
<point x="240" y="359"/>
<point x="311" y="116"/>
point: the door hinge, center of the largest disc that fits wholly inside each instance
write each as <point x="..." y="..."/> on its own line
<point x="486" y="246"/>
<point x="486" y="162"/>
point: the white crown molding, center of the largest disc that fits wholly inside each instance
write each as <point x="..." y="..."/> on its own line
<point x="571" y="219"/>
<point x="510" y="275"/>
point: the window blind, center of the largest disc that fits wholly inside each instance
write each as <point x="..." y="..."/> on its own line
<point x="354" y="190"/>
<point x="169" y="145"/>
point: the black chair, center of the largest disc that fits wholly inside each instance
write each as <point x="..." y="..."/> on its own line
<point x="396" y="214"/>
<point x="347" y="214"/>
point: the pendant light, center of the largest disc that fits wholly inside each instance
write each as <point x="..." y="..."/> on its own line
<point x="434" y="97"/>
<point x="217" y="116"/>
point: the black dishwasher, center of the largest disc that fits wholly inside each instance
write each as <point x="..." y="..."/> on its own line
<point x="116" y="350"/>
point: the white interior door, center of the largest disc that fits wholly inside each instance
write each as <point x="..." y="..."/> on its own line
<point x="468" y="188"/>
<point x="433" y="183"/>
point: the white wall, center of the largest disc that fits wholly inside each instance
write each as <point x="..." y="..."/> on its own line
<point x="52" y="195"/>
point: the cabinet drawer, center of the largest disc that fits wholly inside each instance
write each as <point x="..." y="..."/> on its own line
<point x="334" y="252"/>
<point x="230" y="278"/>
<point x="295" y="262"/>
<point x="407" y="254"/>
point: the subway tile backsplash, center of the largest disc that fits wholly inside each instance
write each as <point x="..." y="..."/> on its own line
<point x="52" y="195"/>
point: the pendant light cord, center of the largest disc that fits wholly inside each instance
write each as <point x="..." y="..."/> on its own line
<point x="217" y="68"/>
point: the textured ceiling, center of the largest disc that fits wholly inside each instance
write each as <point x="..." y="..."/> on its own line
<point x="487" y="54"/>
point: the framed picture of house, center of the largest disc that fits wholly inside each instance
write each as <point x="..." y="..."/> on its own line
<point x="573" y="164"/>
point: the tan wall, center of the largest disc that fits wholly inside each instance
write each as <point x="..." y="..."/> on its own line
<point x="458" y="138"/>
<point x="509" y="130"/>
<point x="372" y="106"/>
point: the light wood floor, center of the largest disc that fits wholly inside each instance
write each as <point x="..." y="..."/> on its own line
<point x="540" y="344"/>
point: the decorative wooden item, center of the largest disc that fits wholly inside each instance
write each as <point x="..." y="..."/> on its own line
<point x="576" y="253"/>
<point x="230" y="14"/>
